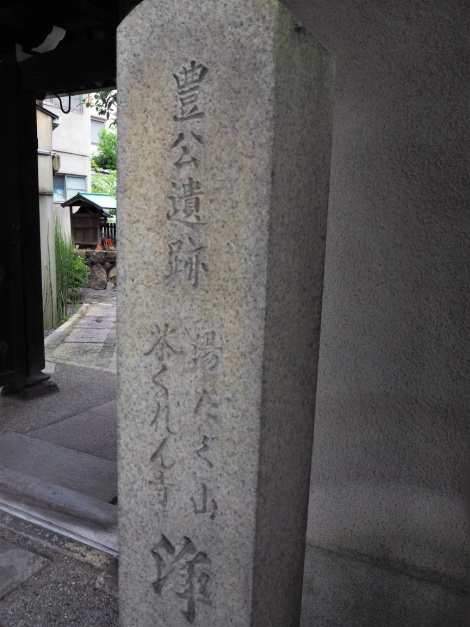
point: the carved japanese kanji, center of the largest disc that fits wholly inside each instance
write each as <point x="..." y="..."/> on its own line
<point x="207" y="507"/>
<point x="188" y="79"/>
<point x="185" y="202"/>
<point x="185" y="572"/>
<point x="162" y="487"/>
<point x="206" y="351"/>
<point x="163" y="408"/>
<point x="185" y="261"/>
<point x="181" y="139"/>
<point x="163" y="348"/>
<point x="202" y="451"/>
<point x="207" y="406"/>
<point x="158" y="457"/>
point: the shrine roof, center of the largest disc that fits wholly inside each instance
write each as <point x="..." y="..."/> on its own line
<point x="100" y="201"/>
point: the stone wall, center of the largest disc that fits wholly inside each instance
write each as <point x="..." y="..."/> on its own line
<point x="102" y="265"/>
<point x="392" y="428"/>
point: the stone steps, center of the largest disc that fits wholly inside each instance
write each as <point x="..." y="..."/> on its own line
<point x="78" y="516"/>
<point x="59" y="465"/>
<point x="63" y="490"/>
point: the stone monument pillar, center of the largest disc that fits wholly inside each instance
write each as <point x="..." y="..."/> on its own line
<point x="224" y="150"/>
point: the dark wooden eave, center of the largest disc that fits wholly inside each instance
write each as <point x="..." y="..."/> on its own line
<point x="85" y="59"/>
<point x="80" y="68"/>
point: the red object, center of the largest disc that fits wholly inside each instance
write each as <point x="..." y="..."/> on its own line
<point x="108" y="243"/>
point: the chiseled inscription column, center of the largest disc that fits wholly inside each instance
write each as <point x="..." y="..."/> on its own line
<point x="224" y="140"/>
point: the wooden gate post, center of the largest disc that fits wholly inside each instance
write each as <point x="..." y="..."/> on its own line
<point x="21" y="332"/>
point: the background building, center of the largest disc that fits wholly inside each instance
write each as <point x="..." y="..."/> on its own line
<point x="73" y="141"/>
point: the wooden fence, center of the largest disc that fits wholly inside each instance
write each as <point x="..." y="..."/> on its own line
<point x="108" y="231"/>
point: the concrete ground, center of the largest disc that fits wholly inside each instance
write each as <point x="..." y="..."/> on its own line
<point x="67" y="441"/>
<point x="342" y="590"/>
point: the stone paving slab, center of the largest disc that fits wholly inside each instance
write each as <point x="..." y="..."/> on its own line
<point x="75" y="351"/>
<point x="57" y="337"/>
<point x="87" y="335"/>
<point x="86" y="355"/>
<point x="101" y="310"/>
<point x="62" y="466"/>
<point x="16" y="566"/>
<point x="94" y="322"/>
<point x="88" y="339"/>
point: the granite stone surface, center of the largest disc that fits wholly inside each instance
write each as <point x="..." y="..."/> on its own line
<point x="224" y="150"/>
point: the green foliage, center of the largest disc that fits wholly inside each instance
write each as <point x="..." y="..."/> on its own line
<point x="105" y="102"/>
<point x="71" y="273"/>
<point x="48" y="305"/>
<point x="104" y="183"/>
<point x="105" y="156"/>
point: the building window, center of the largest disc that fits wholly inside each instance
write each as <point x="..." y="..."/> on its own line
<point x="96" y="125"/>
<point x="76" y="102"/>
<point x="67" y="186"/>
